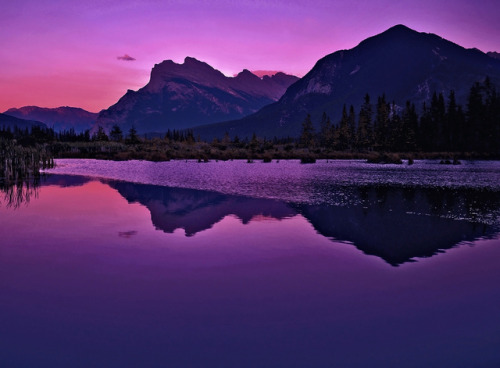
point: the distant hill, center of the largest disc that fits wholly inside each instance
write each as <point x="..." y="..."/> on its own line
<point x="180" y="96"/>
<point x="401" y="63"/>
<point x="7" y="121"/>
<point x="60" y="118"/>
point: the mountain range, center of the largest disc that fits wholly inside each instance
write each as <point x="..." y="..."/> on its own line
<point x="180" y="96"/>
<point x="401" y="63"/>
<point x="60" y="118"/>
<point x="8" y="121"/>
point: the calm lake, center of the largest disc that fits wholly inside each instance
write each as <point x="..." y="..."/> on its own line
<point x="230" y="264"/>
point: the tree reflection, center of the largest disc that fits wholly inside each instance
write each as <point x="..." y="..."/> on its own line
<point x="20" y="171"/>
<point x="14" y="194"/>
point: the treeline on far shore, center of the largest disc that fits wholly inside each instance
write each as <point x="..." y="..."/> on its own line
<point x="183" y="145"/>
<point x="379" y="132"/>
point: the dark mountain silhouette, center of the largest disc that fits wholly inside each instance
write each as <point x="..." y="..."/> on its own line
<point x="401" y="63"/>
<point x="60" y="118"/>
<point x="9" y="121"/>
<point x="180" y="96"/>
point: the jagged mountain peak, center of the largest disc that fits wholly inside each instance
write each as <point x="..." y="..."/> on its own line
<point x="399" y="29"/>
<point x="246" y="72"/>
<point x="247" y="75"/>
<point x="192" y="69"/>
<point x="179" y="96"/>
<point x="395" y="58"/>
<point x="194" y="61"/>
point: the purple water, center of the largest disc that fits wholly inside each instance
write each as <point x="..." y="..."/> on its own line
<point x="229" y="264"/>
<point x="287" y="179"/>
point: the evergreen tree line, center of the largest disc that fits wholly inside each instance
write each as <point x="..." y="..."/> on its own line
<point x="36" y="135"/>
<point x="442" y="126"/>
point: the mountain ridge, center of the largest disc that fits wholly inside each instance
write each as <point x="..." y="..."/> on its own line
<point x="180" y="96"/>
<point x="400" y="63"/>
<point x="8" y="121"/>
<point x="58" y="118"/>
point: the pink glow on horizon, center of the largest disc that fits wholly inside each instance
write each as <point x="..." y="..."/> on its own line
<point x="56" y="53"/>
<point x="262" y="73"/>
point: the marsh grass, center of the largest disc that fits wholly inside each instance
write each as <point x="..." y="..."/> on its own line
<point x="20" y="170"/>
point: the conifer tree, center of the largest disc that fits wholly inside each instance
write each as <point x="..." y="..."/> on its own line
<point x="132" y="137"/>
<point x="343" y="136"/>
<point x="425" y="130"/>
<point x="451" y="124"/>
<point x="326" y="134"/>
<point x="491" y="122"/>
<point x="475" y="117"/>
<point x="381" y="124"/>
<point x="116" y="133"/>
<point x="364" y="134"/>
<point x="438" y="117"/>
<point x="307" y="134"/>
<point x="351" y="123"/>
<point x="409" y="123"/>
<point x="100" y="135"/>
<point x="395" y="136"/>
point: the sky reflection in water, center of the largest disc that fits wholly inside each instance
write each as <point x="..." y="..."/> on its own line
<point x="112" y="273"/>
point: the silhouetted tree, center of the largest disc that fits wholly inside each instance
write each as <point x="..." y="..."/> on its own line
<point x="307" y="134"/>
<point x="351" y="124"/>
<point x="475" y="117"/>
<point x="409" y="121"/>
<point x="116" y="133"/>
<point x="364" y="136"/>
<point x="100" y="135"/>
<point x="381" y="124"/>
<point x="327" y="131"/>
<point x="490" y="129"/>
<point x="453" y="125"/>
<point x="132" y="137"/>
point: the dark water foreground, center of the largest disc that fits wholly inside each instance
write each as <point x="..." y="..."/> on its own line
<point x="110" y="273"/>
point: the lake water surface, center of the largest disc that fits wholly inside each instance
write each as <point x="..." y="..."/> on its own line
<point x="229" y="264"/>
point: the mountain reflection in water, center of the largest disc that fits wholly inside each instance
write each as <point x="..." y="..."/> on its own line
<point x="394" y="223"/>
<point x="106" y="273"/>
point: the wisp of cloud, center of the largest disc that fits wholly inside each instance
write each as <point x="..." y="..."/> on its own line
<point x="125" y="57"/>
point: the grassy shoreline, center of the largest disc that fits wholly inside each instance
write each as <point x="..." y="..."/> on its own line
<point x="159" y="150"/>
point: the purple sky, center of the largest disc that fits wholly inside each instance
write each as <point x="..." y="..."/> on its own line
<point x="81" y="53"/>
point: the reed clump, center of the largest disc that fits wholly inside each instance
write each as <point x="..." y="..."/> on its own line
<point x="18" y="163"/>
